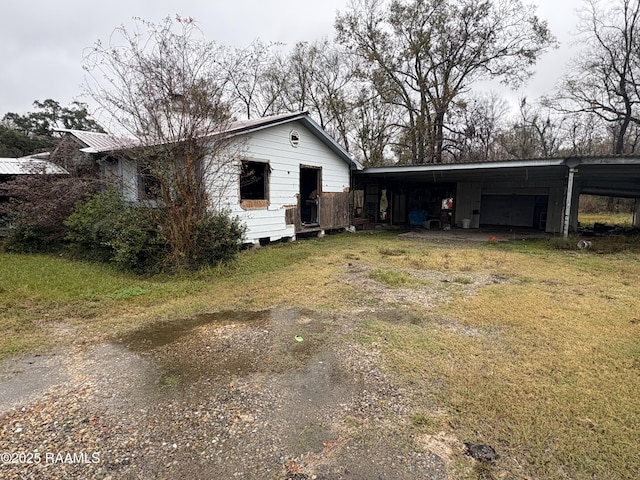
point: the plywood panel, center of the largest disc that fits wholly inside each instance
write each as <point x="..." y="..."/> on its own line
<point x="334" y="210"/>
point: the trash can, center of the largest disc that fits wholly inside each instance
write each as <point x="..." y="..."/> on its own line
<point x="466" y="222"/>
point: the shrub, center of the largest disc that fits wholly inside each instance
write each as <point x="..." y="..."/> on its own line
<point x="105" y="228"/>
<point x="25" y="238"/>
<point x="137" y="243"/>
<point x="218" y="239"/>
<point x="37" y="205"/>
<point x="91" y="224"/>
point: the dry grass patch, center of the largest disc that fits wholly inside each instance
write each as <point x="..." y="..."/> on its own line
<point x="624" y="219"/>
<point x="531" y="350"/>
<point x="543" y="367"/>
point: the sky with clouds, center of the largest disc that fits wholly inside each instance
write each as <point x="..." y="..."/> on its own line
<point x="42" y="41"/>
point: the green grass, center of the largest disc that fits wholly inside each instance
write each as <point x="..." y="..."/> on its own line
<point x="542" y="364"/>
<point x="391" y="278"/>
<point x="622" y="219"/>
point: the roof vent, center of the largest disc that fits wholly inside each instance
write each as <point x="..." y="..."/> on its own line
<point x="294" y="138"/>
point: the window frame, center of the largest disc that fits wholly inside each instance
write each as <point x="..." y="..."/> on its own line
<point x="265" y="174"/>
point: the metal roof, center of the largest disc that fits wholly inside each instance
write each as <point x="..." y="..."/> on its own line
<point x="29" y="166"/>
<point x="102" y="142"/>
<point x="95" y="142"/>
<point x="617" y="175"/>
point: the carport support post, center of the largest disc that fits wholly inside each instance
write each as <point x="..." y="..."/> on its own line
<point x="572" y="163"/>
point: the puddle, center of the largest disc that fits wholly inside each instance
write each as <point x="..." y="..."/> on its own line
<point x="26" y="377"/>
<point x="226" y="395"/>
<point x="157" y="335"/>
<point x="285" y="354"/>
<point x="236" y="343"/>
<point x="173" y="356"/>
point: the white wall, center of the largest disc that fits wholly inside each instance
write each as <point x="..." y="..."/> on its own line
<point x="272" y="145"/>
<point x="125" y="172"/>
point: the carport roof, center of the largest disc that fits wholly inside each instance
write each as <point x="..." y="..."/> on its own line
<point x="603" y="175"/>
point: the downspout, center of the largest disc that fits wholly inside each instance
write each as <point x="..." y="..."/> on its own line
<point x="572" y="164"/>
<point x="349" y="196"/>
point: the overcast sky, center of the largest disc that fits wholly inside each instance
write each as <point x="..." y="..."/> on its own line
<point x="42" y="41"/>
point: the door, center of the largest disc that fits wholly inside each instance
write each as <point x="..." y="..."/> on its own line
<point x="310" y="192"/>
<point x="508" y="210"/>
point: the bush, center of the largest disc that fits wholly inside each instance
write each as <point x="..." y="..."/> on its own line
<point x="218" y="239"/>
<point x="26" y="238"/>
<point x="105" y="228"/>
<point x="37" y="206"/>
<point x="91" y="225"/>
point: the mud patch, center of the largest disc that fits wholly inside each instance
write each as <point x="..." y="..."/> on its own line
<point x="157" y="335"/>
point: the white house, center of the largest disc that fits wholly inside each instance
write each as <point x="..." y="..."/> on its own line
<point x="289" y="178"/>
<point x="11" y="168"/>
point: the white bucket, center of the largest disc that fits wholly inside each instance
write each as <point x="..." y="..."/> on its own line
<point x="466" y="223"/>
<point x="584" y="244"/>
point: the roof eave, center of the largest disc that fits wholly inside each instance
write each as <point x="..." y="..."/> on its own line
<point x="545" y="162"/>
<point x="312" y="126"/>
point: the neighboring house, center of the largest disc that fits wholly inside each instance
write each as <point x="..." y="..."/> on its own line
<point x="36" y="164"/>
<point x="289" y="178"/>
<point x="29" y="165"/>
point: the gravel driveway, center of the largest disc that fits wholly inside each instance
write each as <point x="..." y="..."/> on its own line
<point x="276" y="394"/>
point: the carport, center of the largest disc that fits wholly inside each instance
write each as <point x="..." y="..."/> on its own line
<point x="535" y="193"/>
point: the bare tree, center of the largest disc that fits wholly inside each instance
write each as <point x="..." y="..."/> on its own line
<point x="481" y="119"/>
<point x="425" y="53"/>
<point x="585" y="136"/>
<point x="162" y="86"/>
<point x="374" y="128"/>
<point x="603" y="79"/>
<point x="247" y="70"/>
<point x="317" y="77"/>
<point x="537" y="131"/>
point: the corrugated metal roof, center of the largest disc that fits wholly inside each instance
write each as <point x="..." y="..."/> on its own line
<point x="96" y="142"/>
<point x="29" y="166"/>
<point x="102" y="142"/>
<point x="257" y="123"/>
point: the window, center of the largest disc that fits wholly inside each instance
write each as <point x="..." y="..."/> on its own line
<point x="148" y="184"/>
<point x="254" y="182"/>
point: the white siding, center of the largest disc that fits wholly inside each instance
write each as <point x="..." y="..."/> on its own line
<point x="125" y="172"/>
<point x="272" y="145"/>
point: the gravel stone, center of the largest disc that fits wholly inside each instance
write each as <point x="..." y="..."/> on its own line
<point x="221" y="399"/>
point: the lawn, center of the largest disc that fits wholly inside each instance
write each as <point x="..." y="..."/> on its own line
<point x="531" y="349"/>
<point x="622" y="219"/>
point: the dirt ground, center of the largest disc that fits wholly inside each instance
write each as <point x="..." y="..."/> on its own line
<point x="478" y="234"/>
<point x="275" y="394"/>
